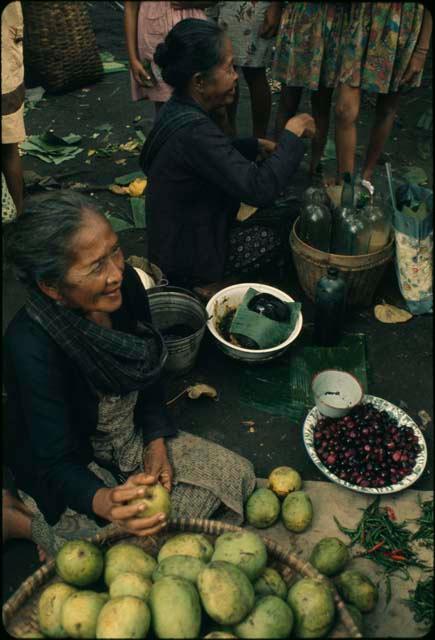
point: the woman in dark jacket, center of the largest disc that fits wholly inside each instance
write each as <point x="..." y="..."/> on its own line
<point x="85" y="407"/>
<point x="198" y="177"/>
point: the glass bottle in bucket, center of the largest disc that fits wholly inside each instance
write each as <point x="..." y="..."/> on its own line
<point x="350" y="230"/>
<point x="330" y="304"/>
<point x="315" y="226"/>
<point x="341" y="213"/>
<point x="378" y="215"/>
<point x="362" y="193"/>
<point x="316" y="194"/>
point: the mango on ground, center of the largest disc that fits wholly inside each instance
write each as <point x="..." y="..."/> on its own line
<point x="329" y="556"/>
<point x="226" y="593"/>
<point x="125" y="617"/>
<point x="262" y="508"/>
<point x="79" y="563"/>
<point x="271" y="617"/>
<point x="297" y="511"/>
<point x="284" y="480"/>
<point x="80" y="614"/>
<point x="175" y="608"/>
<point x="313" y="605"/>
<point x="187" y="544"/>
<point x="126" y="557"/>
<point x="50" y="609"/>
<point x="357" y="589"/>
<point x="245" y="549"/>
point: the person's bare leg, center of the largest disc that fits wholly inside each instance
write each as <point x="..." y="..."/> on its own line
<point x="261" y="99"/>
<point x="320" y="105"/>
<point x="288" y="104"/>
<point x="13" y="171"/>
<point x="346" y="115"/>
<point x="17" y="521"/>
<point x="386" y="109"/>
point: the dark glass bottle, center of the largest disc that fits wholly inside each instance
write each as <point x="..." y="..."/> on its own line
<point x="330" y="303"/>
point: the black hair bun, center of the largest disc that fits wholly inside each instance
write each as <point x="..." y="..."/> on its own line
<point x="162" y="55"/>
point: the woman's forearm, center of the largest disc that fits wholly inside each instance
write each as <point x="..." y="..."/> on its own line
<point x="130" y="28"/>
<point x="425" y="31"/>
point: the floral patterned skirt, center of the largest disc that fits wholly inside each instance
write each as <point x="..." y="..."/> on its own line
<point x="378" y="40"/>
<point x="241" y="21"/>
<point x="307" y="45"/>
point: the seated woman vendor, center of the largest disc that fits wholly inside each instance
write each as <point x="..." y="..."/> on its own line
<point x="86" y="413"/>
<point x="198" y="177"/>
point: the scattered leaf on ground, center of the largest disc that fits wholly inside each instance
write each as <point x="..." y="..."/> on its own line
<point x="197" y="390"/>
<point x="247" y="423"/>
<point x="425" y="418"/>
<point x="91" y="152"/>
<point x="416" y="175"/>
<point x="424" y="150"/>
<point x="120" y="191"/>
<point x="391" y="314"/>
<point x="140" y="135"/>
<point x="251" y="430"/>
<point x="131" y="145"/>
<point x="137" y="118"/>
<point x="106" y="126"/>
<point x="129" y="177"/>
<point x="51" y="148"/>
<point x="245" y="212"/>
<point x="121" y="161"/>
<point x="137" y="187"/>
<point x="138" y="209"/>
<point x="118" y="224"/>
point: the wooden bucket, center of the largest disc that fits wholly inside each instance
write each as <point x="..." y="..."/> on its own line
<point x="362" y="273"/>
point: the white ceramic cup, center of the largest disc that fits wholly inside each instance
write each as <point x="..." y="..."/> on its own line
<point x="335" y="392"/>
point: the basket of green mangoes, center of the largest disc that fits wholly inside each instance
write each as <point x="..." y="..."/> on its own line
<point x="198" y="579"/>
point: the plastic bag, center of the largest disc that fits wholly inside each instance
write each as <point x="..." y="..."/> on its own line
<point x="413" y="230"/>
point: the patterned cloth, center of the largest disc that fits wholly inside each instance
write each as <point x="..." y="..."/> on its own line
<point x="378" y="41"/>
<point x="252" y="248"/>
<point x="206" y="475"/>
<point x="112" y="361"/>
<point x="242" y="22"/>
<point x="155" y="20"/>
<point x="307" y="46"/>
<point x="9" y="210"/>
<point x="12" y="74"/>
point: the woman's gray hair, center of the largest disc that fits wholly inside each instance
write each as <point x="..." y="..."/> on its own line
<point x="38" y="242"/>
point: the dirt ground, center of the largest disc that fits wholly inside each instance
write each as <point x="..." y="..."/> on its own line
<point x="400" y="356"/>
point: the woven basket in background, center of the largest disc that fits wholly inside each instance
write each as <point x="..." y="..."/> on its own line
<point x="60" y="49"/>
<point x="20" y="611"/>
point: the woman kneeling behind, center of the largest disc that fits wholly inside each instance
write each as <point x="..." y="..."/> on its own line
<point x="86" y="409"/>
<point x="198" y="177"/>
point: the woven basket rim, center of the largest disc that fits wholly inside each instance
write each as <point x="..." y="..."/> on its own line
<point x="295" y="240"/>
<point x="176" y="525"/>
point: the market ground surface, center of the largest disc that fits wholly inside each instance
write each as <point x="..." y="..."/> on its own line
<point x="399" y="355"/>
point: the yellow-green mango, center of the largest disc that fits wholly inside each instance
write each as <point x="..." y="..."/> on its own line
<point x="50" y="609"/>
<point x="125" y="617"/>
<point x="175" y="608"/>
<point x="226" y="593"/>
<point x="126" y="557"/>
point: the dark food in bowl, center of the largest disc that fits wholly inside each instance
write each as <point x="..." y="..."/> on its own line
<point x="366" y="447"/>
<point x="267" y="305"/>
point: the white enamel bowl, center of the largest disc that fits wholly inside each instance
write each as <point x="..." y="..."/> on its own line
<point x="230" y="298"/>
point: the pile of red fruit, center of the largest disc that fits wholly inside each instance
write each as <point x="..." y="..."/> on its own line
<point x="367" y="447"/>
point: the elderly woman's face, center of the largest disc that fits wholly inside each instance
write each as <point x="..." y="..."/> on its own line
<point x="220" y="87"/>
<point x="93" y="282"/>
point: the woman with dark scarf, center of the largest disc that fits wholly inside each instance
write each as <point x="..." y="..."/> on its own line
<point x="198" y="177"/>
<point x="86" y="413"/>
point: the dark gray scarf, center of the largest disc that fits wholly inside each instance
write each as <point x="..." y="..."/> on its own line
<point x="113" y="362"/>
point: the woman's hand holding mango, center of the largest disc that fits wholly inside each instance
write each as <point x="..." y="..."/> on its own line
<point x="112" y="504"/>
